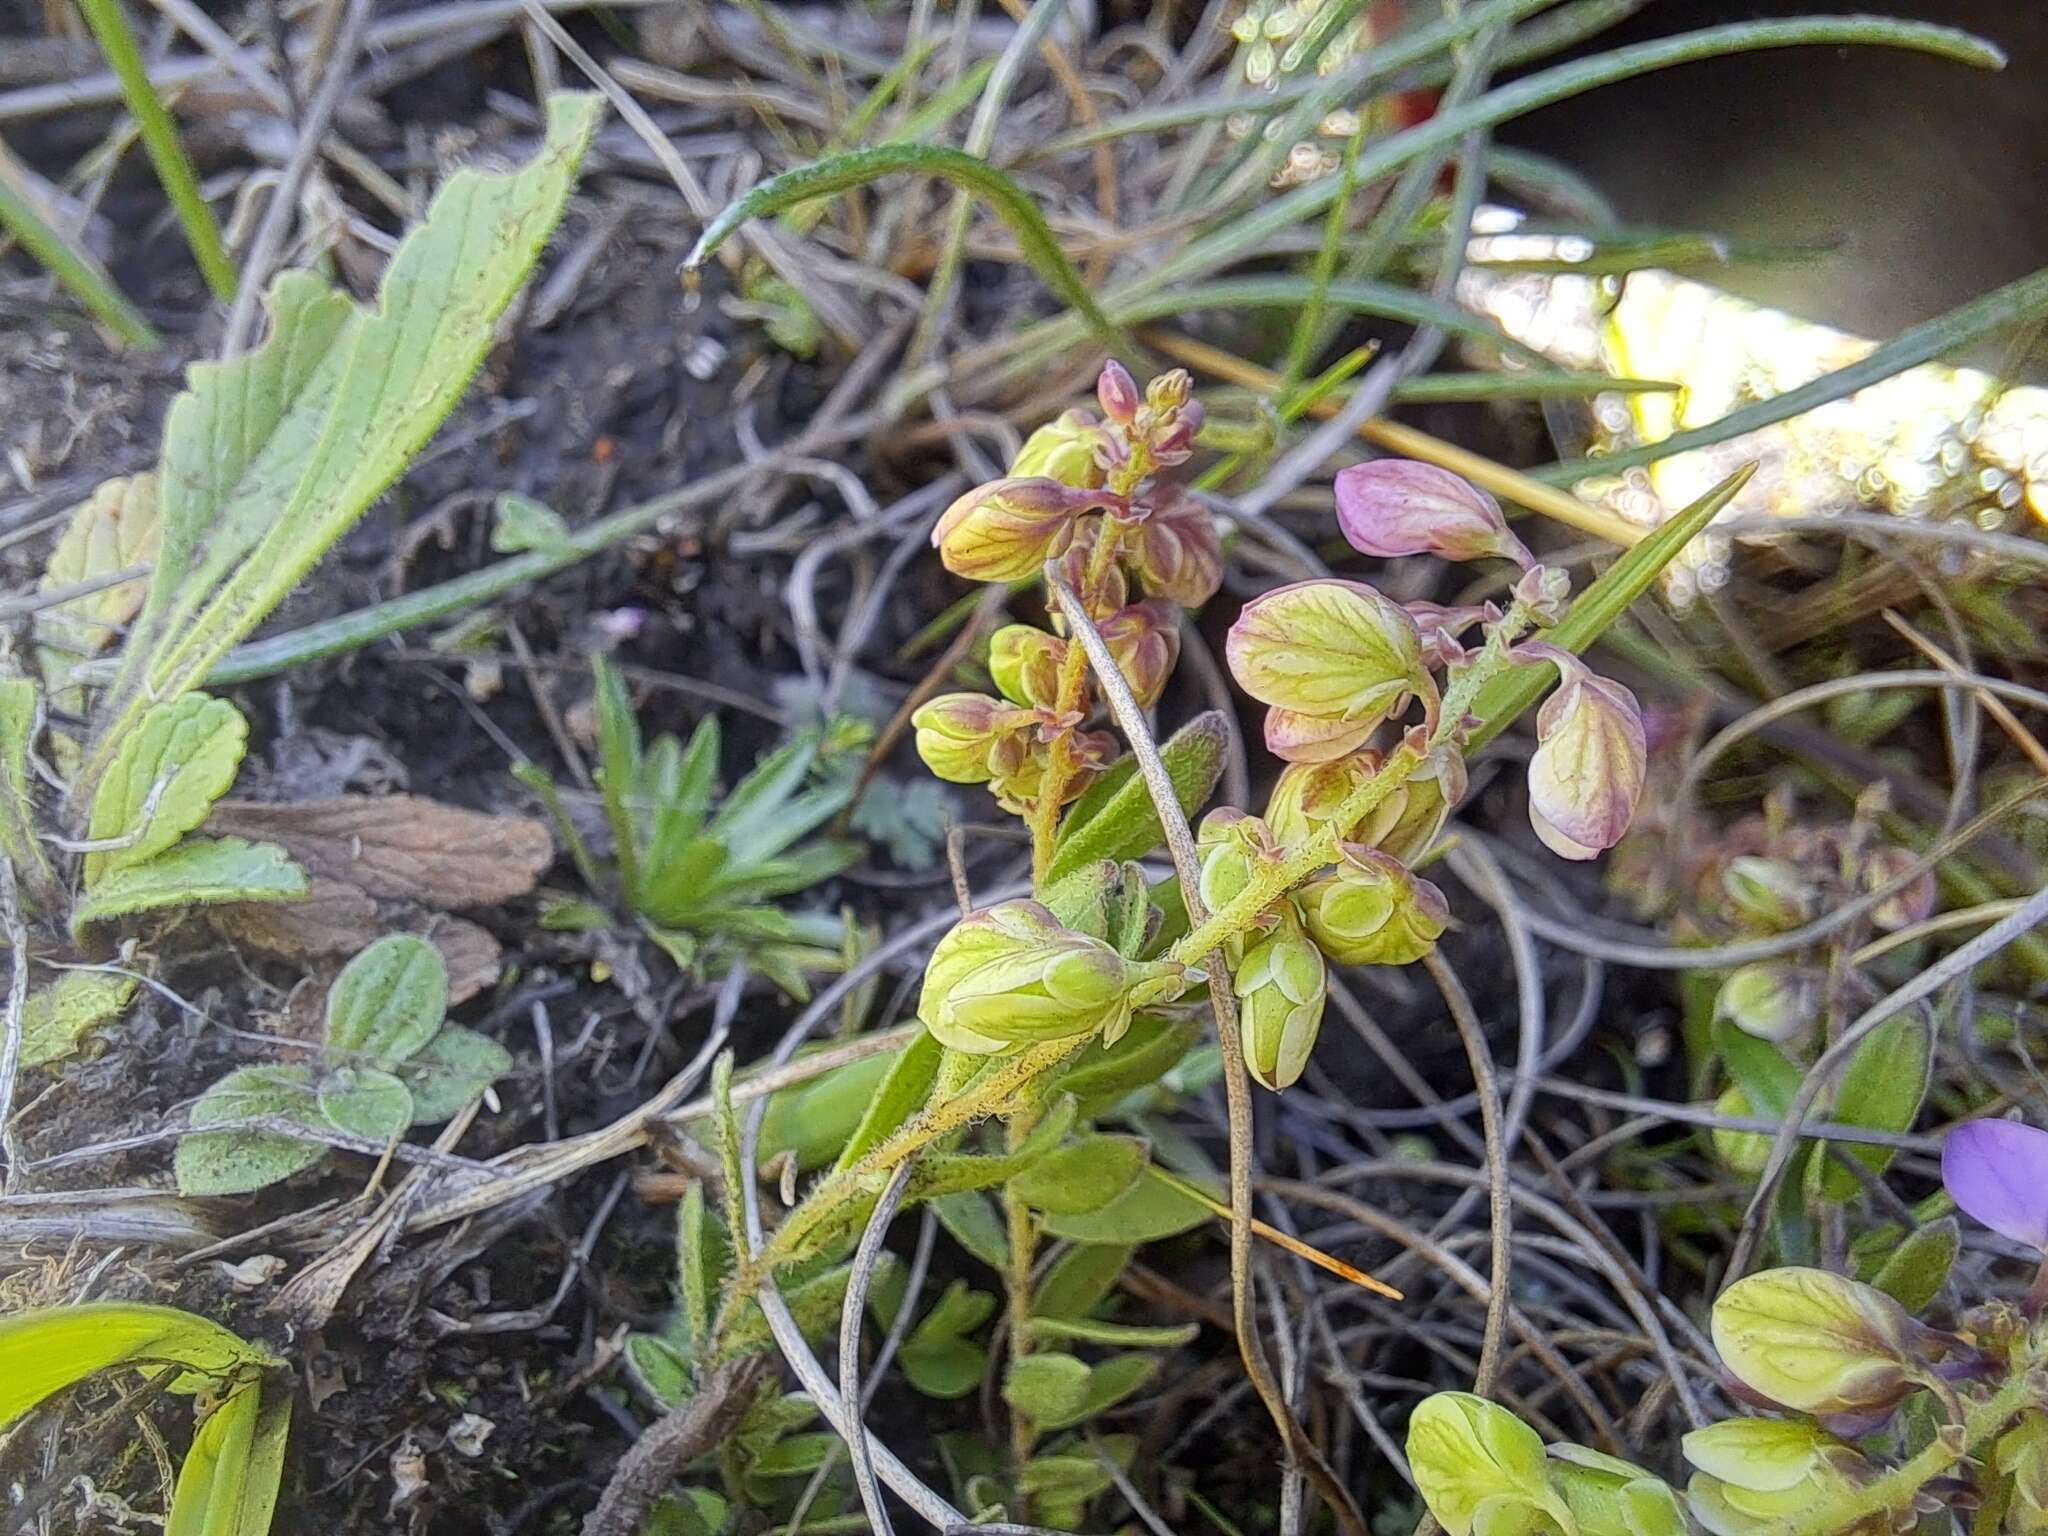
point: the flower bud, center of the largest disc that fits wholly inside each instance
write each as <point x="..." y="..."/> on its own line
<point x="1231" y="846"/>
<point x="1611" y="1497"/>
<point x="1472" y="1459"/>
<point x="1109" y="592"/>
<point x="1591" y="758"/>
<point x="1294" y="737"/>
<point x="1025" y="663"/>
<point x="1879" y="867"/>
<point x="1757" y="1476"/>
<point x="1395" y="507"/>
<point x="1440" y="628"/>
<point x="1815" y="1341"/>
<point x="2021" y="1454"/>
<point x="1062" y="450"/>
<point x="1118" y="393"/>
<point x="957" y="734"/>
<point x="1745" y="1152"/>
<point x="1145" y="641"/>
<point x="1371" y="909"/>
<point x="1773" y="1002"/>
<point x="1005" y="530"/>
<point x="1543" y="592"/>
<point x="1997" y="1172"/>
<point x="1280" y="987"/>
<point x="1771" y="893"/>
<point x="1175" y="550"/>
<point x="1336" y="650"/>
<point x="1011" y="976"/>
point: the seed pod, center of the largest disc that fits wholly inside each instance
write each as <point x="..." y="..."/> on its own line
<point x="1371" y="909"/>
<point x="1395" y="507"/>
<point x="1590" y="762"/>
<point x="1011" y="975"/>
<point x="1280" y="985"/>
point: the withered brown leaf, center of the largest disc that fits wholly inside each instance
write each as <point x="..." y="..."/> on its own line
<point x="403" y="847"/>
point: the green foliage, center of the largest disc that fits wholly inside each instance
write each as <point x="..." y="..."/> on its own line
<point x="269" y="458"/>
<point x="56" y="1018"/>
<point x="1115" y="819"/>
<point x="198" y="871"/>
<point x="228" y="1484"/>
<point x="390" y="1061"/>
<point x="703" y="880"/>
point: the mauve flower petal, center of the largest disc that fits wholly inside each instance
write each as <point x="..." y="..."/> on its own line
<point x="1997" y="1171"/>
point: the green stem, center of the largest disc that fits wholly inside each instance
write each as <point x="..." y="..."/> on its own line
<point x="1895" y="1489"/>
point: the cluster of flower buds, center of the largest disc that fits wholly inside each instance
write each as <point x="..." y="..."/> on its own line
<point x="1367" y="908"/>
<point x="1133" y="548"/>
<point x="1335" y="662"/>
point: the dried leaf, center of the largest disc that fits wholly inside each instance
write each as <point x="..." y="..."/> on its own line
<point x="335" y="918"/>
<point x="116" y="527"/>
<point x="475" y="959"/>
<point x="404" y="847"/>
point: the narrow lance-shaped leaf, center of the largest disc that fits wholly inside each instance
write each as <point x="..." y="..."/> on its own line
<point x="1115" y="819"/>
<point x="840" y="173"/>
<point x="270" y="458"/>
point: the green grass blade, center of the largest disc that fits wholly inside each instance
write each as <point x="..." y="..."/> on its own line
<point x="1253" y="231"/>
<point x="1501" y="700"/>
<point x="1466" y="388"/>
<point x="2016" y="303"/>
<point x="70" y="263"/>
<point x="842" y="172"/>
<point x="160" y="139"/>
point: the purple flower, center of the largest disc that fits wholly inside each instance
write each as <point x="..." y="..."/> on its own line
<point x="1997" y="1171"/>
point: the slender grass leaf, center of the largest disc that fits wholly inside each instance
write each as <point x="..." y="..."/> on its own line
<point x="2017" y="303"/>
<point x="160" y="139"/>
<point x="197" y="871"/>
<point x="49" y="1348"/>
<point x="272" y="457"/>
<point x="69" y="261"/>
<point x="618" y="758"/>
<point x="1633" y="574"/>
<point x="1089" y="1330"/>
<point x="859" y="167"/>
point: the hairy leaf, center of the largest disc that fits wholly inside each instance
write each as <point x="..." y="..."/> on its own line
<point x="1046" y="1388"/>
<point x="900" y="1094"/>
<point x="236" y="1162"/>
<point x="21" y="709"/>
<point x="1115" y="818"/>
<point x="388" y="1001"/>
<point x="457" y="1065"/>
<point x="180" y="758"/>
<point x="1882" y="1089"/>
<point x="112" y="530"/>
<point x="1085" y="1175"/>
<point x="56" y="1018"/>
<point x="271" y="457"/>
<point x="200" y="869"/>
<point x="366" y="1102"/>
<point x="1080" y="1280"/>
<point x="1149" y="1210"/>
<point x="1916" y="1270"/>
<point x="523" y="523"/>
<point x="1107" y="1385"/>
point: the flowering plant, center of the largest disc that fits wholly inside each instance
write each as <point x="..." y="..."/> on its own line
<point x="1882" y="1418"/>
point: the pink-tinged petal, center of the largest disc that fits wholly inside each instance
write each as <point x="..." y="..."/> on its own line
<point x="1590" y="763"/>
<point x="1176" y="551"/>
<point x="1396" y="507"/>
<point x="1997" y="1171"/>
<point x="1327" y="648"/>
<point x="1117" y="393"/>
<point x="1298" y="738"/>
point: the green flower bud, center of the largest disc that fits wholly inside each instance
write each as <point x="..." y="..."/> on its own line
<point x="1769" y="892"/>
<point x="1012" y="975"/>
<point x="1815" y="1341"/>
<point x="1756" y="1475"/>
<point x="1371" y="909"/>
<point x="1062" y="450"/>
<point x="1280" y="986"/>
<point x="1745" y="1152"/>
<point x="1480" y="1469"/>
<point x="1771" y="1001"/>
<point x="1025" y="663"/>
<point x="1609" y="1497"/>
<point x="959" y="735"/>
<point x="1231" y="846"/>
